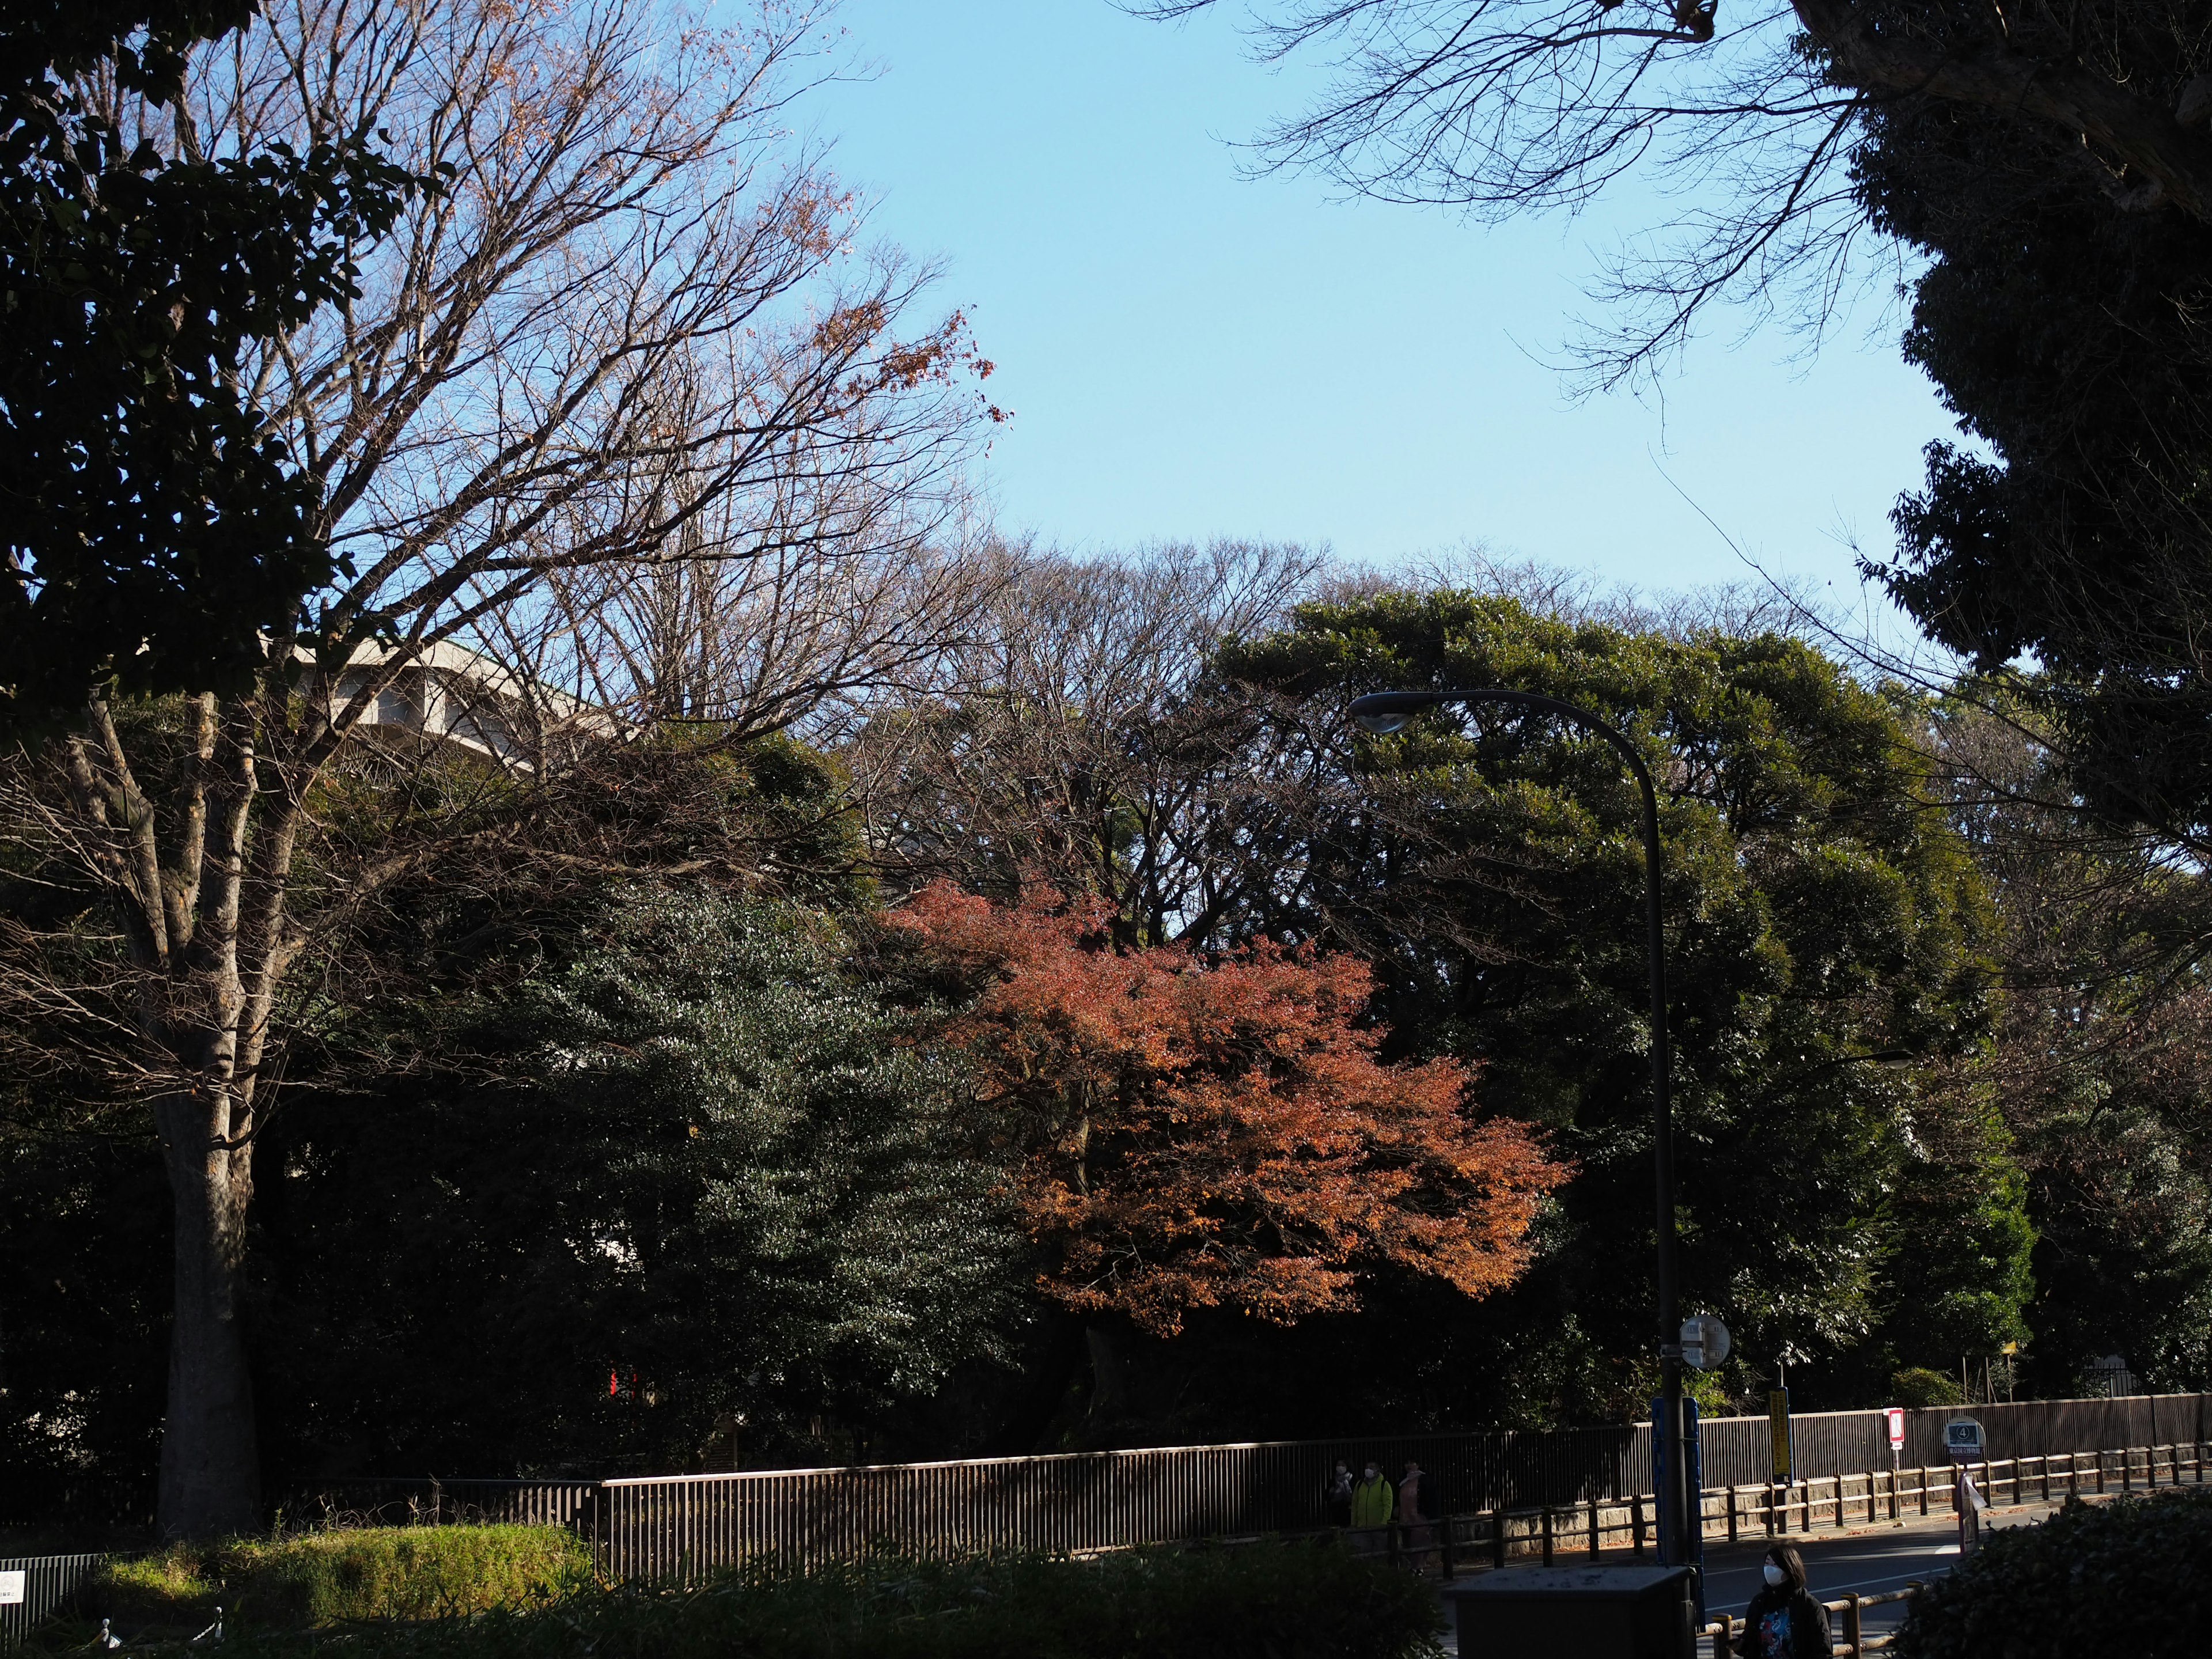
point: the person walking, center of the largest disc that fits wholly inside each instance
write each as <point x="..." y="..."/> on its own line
<point x="1415" y="1535"/>
<point x="1373" y="1501"/>
<point x="1784" y="1621"/>
<point x="1339" y="1496"/>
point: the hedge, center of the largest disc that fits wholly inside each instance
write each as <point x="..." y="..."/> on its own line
<point x="340" y="1576"/>
<point x="1257" y="1602"/>
<point x="2132" y="1576"/>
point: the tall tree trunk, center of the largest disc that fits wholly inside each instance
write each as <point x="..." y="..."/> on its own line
<point x="211" y="1466"/>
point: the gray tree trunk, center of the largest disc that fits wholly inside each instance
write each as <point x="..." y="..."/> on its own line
<point x="210" y="1484"/>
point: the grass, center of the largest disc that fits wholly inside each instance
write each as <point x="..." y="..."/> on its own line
<point x="1258" y="1601"/>
<point x="340" y="1576"/>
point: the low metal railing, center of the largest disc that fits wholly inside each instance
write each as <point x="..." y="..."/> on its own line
<point x="47" y="1585"/>
<point x="1545" y="1532"/>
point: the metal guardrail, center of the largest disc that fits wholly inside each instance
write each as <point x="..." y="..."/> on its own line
<point x="677" y="1527"/>
<point x="1731" y="1513"/>
<point x="49" y="1583"/>
<point x="709" y="1534"/>
<point x="1542" y="1484"/>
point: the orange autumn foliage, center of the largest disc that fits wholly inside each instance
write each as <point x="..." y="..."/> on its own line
<point x="1191" y="1135"/>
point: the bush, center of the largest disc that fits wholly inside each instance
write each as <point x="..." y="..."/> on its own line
<point x="2130" y="1577"/>
<point x="1915" y="1387"/>
<point x="341" y="1575"/>
<point x="1259" y="1601"/>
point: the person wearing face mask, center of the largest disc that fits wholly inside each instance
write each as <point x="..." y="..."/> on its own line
<point x="1373" y="1501"/>
<point x="1784" y="1621"/>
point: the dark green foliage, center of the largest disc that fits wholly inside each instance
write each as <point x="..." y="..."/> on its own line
<point x="1258" y="1601"/>
<point x="2060" y="316"/>
<point x="677" y="1196"/>
<point x="1821" y="911"/>
<point x="1915" y="1385"/>
<point x="2132" y="1576"/>
<point x="2098" y="1064"/>
<point x="339" y="1577"/>
<point x="156" y="523"/>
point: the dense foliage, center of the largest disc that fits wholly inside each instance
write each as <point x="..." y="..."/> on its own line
<point x="341" y="1576"/>
<point x="742" y="1197"/>
<point x="2129" y="1577"/>
<point x="1256" y="1601"/>
<point x="2060" y="315"/>
<point x="158" y="526"/>
<point x="649" y="1117"/>
<point x="1825" y="917"/>
<point x="1193" y="1134"/>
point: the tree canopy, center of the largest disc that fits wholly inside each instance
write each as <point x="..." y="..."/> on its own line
<point x="1199" y="1134"/>
<point x="158" y="524"/>
<point x="1825" y="917"/>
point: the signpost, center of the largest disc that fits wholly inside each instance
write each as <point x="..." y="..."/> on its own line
<point x="1962" y="1438"/>
<point x="1777" y="1426"/>
<point x="1894" y="1418"/>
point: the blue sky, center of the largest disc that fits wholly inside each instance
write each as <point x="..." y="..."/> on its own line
<point x="1190" y="353"/>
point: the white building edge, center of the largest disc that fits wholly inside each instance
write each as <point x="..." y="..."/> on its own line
<point x="449" y="695"/>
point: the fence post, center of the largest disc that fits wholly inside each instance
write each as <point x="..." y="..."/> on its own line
<point x="1497" y="1536"/>
<point x="1394" y="1530"/>
<point x="1445" y="1540"/>
<point x="1731" y="1504"/>
<point x="1593" y="1527"/>
<point x="1851" y="1622"/>
<point x="1635" y="1521"/>
<point x="2127" y="1469"/>
<point x="1923" y="1491"/>
<point x="1547" y="1534"/>
<point x="1724" y="1637"/>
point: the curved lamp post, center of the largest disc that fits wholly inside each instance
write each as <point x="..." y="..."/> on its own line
<point x="1391" y="711"/>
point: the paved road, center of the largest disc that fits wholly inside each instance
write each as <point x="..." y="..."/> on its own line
<point x="1869" y="1560"/>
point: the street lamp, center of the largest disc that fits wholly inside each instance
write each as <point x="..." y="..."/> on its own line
<point x="1386" y="712"/>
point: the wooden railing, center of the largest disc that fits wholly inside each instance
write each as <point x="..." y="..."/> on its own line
<point x="1546" y="1532"/>
<point x="1725" y="1631"/>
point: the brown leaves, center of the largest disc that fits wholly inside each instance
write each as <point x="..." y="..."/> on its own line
<point x="1196" y="1134"/>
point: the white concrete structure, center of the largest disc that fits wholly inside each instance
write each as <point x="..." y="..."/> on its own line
<point x="450" y="695"/>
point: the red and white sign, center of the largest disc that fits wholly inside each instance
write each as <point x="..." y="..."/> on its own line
<point x="1896" y="1416"/>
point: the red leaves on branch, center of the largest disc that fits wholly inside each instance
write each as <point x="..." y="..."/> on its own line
<point x="1196" y="1135"/>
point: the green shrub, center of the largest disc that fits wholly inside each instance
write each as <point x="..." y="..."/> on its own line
<point x="2130" y="1577"/>
<point x="1916" y="1387"/>
<point x="1259" y="1601"/>
<point x="341" y="1576"/>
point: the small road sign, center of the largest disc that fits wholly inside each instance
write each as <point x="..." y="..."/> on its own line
<point x="1895" y="1417"/>
<point x="11" y="1588"/>
<point x="1962" y="1438"/>
<point x="1778" y="1421"/>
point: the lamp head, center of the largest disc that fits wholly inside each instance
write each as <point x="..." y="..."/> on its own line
<point x="1385" y="724"/>
<point x="1384" y="711"/>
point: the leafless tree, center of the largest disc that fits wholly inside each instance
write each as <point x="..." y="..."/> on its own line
<point x="1499" y="106"/>
<point x="629" y="337"/>
<point x="1077" y="740"/>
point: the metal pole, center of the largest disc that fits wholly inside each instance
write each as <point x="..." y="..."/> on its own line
<point x="1386" y="711"/>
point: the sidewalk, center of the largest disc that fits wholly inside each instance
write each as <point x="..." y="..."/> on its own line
<point x="1868" y="1559"/>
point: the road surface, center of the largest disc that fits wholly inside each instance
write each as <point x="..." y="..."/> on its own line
<point x="1869" y="1560"/>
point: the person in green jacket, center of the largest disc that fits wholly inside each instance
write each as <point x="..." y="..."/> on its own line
<point x="1373" y="1498"/>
